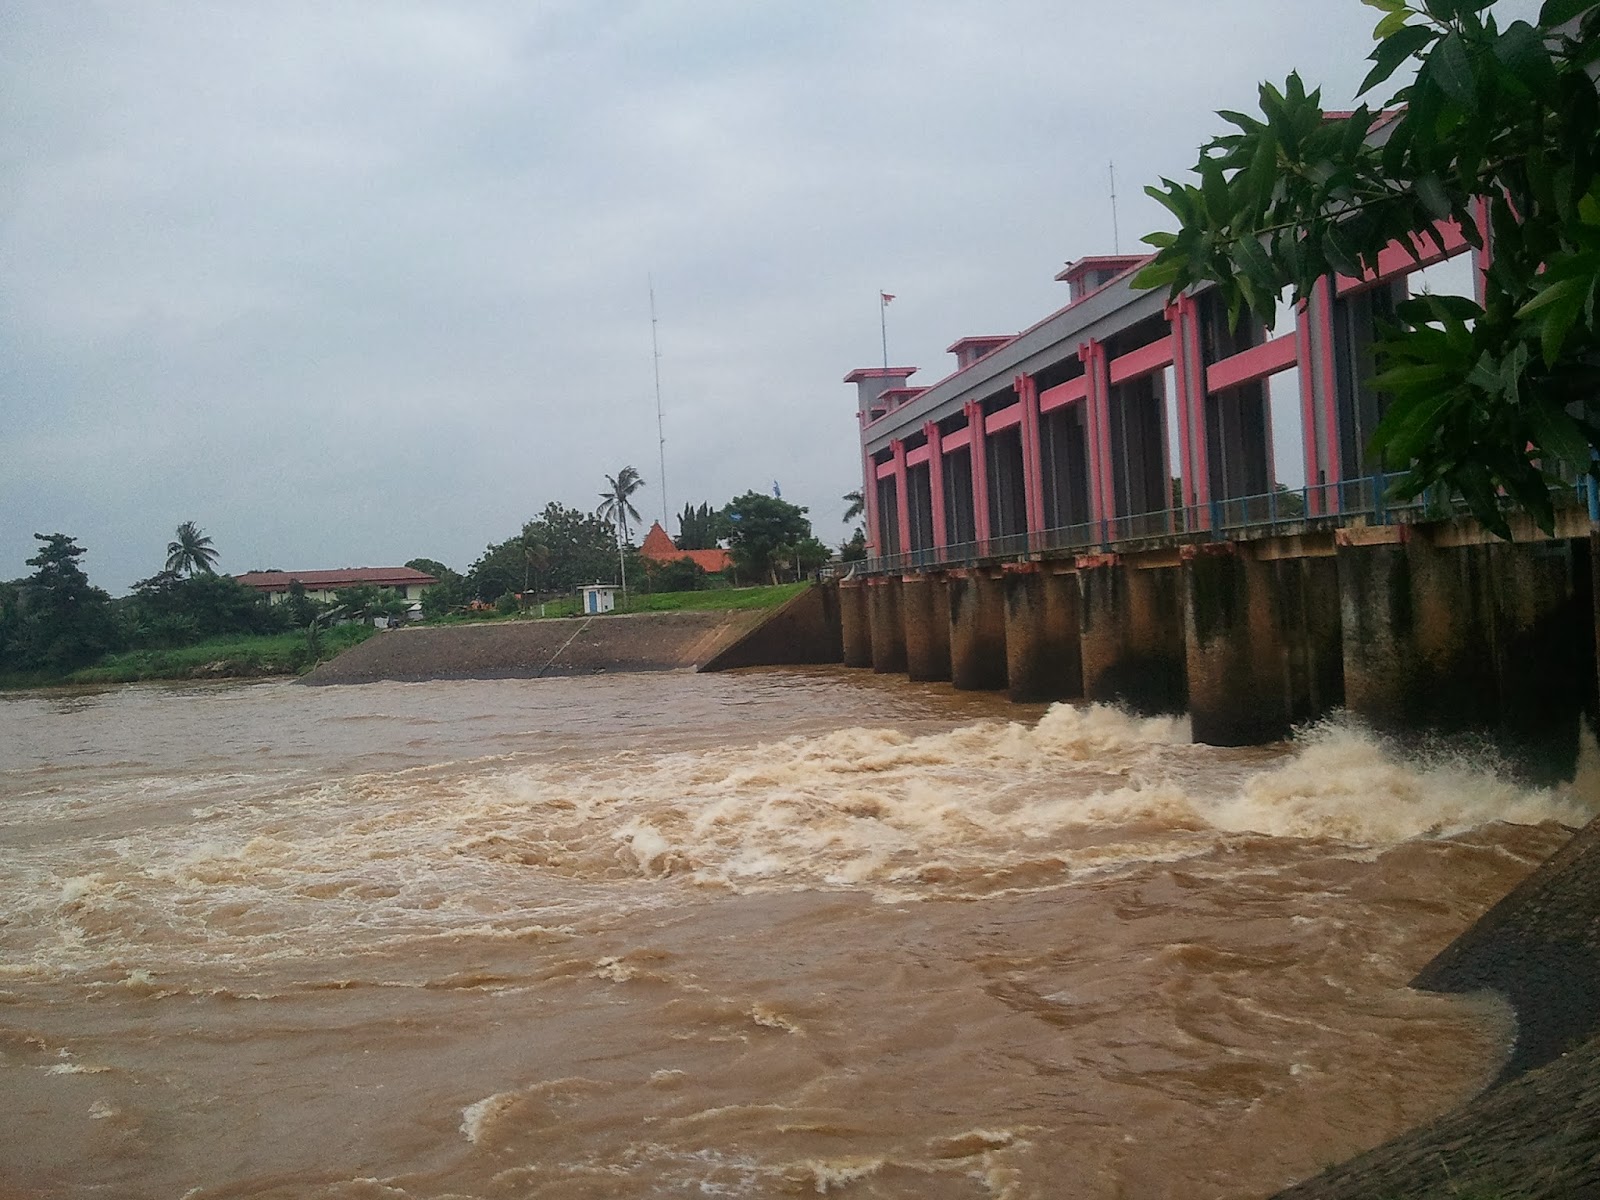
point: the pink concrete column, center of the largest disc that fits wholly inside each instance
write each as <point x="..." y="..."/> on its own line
<point x="1308" y="406"/>
<point x="1032" y="455"/>
<point x="1091" y="428"/>
<point x="1180" y="380"/>
<point x="1097" y="369"/>
<point x="1320" y="312"/>
<point x="869" y="498"/>
<point x="1482" y="256"/>
<point x="978" y="447"/>
<point x="941" y="536"/>
<point x="1190" y="366"/>
<point x="901" y="494"/>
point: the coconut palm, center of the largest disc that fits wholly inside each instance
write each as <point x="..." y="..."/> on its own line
<point x="191" y="552"/>
<point x="857" y="505"/>
<point x="617" y="508"/>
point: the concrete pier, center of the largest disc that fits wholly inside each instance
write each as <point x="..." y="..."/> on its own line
<point x="1237" y="652"/>
<point x="888" y="634"/>
<point x="1418" y="632"/>
<point x="977" y="631"/>
<point x="925" y="612"/>
<point x="855" y="627"/>
<point x="1130" y="622"/>
<point x="1264" y="648"/>
<point x="1042" y="655"/>
<point x="1544" y="647"/>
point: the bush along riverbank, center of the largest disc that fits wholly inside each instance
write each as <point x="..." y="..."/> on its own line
<point x="235" y="657"/>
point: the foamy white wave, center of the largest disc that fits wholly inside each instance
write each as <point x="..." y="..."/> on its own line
<point x="507" y="850"/>
<point x="1344" y="782"/>
<point x="477" y="1119"/>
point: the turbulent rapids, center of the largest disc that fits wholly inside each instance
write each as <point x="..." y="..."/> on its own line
<point x="767" y="934"/>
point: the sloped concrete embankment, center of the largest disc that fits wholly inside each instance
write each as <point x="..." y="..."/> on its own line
<point x="531" y="649"/>
<point x="1535" y="1133"/>
<point x="805" y="629"/>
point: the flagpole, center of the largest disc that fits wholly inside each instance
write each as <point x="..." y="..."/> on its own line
<point x="883" y="323"/>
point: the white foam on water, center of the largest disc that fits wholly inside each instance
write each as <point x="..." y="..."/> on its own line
<point x="507" y="848"/>
<point x="478" y="1119"/>
<point x="1344" y="782"/>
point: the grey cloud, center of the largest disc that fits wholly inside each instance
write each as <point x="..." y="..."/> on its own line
<point x="351" y="282"/>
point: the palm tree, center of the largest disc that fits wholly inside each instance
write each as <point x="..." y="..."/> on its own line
<point x="857" y="505"/>
<point x="191" y="552"/>
<point x="617" y="508"/>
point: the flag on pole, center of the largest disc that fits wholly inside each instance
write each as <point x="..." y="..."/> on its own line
<point x="886" y="297"/>
<point x="777" y="492"/>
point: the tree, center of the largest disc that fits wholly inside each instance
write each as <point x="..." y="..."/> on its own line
<point x="810" y="554"/>
<point x="535" y="555"/>
<point x="364" y="601"/>
<point x="763" y="531"/>
<point x="677" y="575"/>
<point x="452" y="591"/>
<point x="700" y="528"/>
<point x="856" y="506"/>
<point x="191" y="552"/>
<point x="59" y="620"/>
<point x="855" y="550"/>
<point x="617" y="508"/>
<point x="169" y="609"/>
<point x="1481" y="398"/>
<point x="578" y="548"/>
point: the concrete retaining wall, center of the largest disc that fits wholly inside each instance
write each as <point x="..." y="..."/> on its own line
<point x="806" y="629"/>
<point x="529" y="649"/>
<point x="1535" y="1133"/>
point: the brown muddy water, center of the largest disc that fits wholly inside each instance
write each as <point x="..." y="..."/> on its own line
<point x="762" y="934"/>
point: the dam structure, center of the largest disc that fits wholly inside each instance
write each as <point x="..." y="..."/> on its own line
<point x="1134" y="501"/>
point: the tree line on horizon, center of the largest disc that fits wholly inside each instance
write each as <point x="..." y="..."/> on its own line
<point x="55" y="620"/>
<point x="563" y="548"/>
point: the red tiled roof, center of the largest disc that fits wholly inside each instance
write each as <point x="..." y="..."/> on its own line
<point x="659" y="547"/>
<point x="278" y="581"/>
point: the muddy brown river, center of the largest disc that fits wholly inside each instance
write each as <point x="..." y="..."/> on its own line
<point x="762" y="934"/>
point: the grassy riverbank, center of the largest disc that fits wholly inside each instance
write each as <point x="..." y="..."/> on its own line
<point x="248" y="657"/>
<point x="711" y="600"/>
<point x="238" y="657"/>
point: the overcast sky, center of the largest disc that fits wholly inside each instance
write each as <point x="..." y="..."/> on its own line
<point x="350" y="283"/>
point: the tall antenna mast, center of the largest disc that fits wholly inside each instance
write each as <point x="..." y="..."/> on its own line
<point x="1116" y="237"/>
<point x="661" y="433"/>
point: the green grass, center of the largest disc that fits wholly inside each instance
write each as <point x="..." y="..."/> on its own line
<point x="710" y="600"/>
<point x="724" y="599"/>
<point x="221" y="658"/>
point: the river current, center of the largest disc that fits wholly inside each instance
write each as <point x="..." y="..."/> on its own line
<point x="761" y="934"/>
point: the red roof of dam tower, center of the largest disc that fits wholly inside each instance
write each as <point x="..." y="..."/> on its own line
<point x="661" y="548"/>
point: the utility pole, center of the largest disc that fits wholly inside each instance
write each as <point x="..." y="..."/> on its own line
<point x="661" y="434"/>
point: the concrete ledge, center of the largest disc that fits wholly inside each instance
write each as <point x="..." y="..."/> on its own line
<point x="1540" y="947"/>
<point x="1535" y="1139"/>
<point x="804" y="629"/>
<point x="1535" y="1133"/>
<point x="530" y="649"/>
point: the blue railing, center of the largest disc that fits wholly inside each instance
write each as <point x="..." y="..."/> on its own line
<point x="1319" y="506"/>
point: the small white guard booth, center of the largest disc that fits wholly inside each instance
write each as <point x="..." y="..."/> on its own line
<point x="598" y="597"/>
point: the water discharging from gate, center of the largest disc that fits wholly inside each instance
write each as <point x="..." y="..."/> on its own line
<point x="738" y="935"/>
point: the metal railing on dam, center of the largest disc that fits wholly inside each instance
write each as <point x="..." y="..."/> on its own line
<point x="1363" y="501"/>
